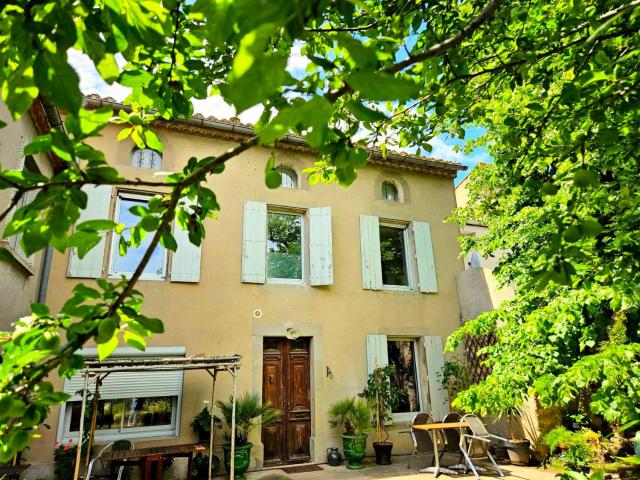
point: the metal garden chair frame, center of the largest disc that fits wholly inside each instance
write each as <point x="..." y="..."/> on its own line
<point x="482" y="439"/>
<point x="451" y="437"/>
<point x="116" y="446"/>
<point x="422" y="442"/>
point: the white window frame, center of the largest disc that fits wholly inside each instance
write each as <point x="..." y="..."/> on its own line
<point x="111" y="435"/>
<point x="408" y="416"/>
<point x="409" y="254"/>
<point x="303" y="243"/>
<point x="115" y="237"/>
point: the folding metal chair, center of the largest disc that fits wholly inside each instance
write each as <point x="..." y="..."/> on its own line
<point x="479" y="438"/>
<point x="104" y="470"/>
<point x="422" y="442"/>
<point x="451" y="437"/>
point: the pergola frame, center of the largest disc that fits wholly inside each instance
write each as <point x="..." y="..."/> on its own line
<point x="96" y="371"/>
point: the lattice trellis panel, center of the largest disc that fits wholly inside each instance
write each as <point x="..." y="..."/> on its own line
<point x="475" y="363"/>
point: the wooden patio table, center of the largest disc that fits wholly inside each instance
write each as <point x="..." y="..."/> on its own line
<point x="434" y="428"/>
<point x="146" y="457"/>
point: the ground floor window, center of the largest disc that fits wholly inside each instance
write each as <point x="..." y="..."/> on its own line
<point x="120" y="414"/>
<point x="402" y="355"/>
<point x="131" y="404"/>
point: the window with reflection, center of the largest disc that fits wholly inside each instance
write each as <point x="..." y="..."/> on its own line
<point x="393" y="253"/>
<point x="402" y="355"/>
<point x="288" y="177"/>
<point x="123" y="413"/>
<point x="129" y="210"/>
<point x="284" y="247"/>
<point x="390" y="191"/>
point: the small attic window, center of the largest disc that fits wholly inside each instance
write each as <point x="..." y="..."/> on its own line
<point x="146" y="158"/>
<point x="390" y="191"/>
<point x="288" y="177"/>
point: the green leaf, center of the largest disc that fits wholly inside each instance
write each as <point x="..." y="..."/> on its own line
<point x="364" y="56"/>
<point x="107" y="348"/>
<point x="363" y="113"/>
<point x="106" y="329"/>
<point x="152" y="141"/>
<point x="585" y="178"/>
<point x="382" y="86"/>
<point x="273" y="179"/>
<point x="97" y="225"/>
<point x="135" y="78"/>
<point x="254" y="74"/>
<point x="134" y="340"/>
<point x="51" y="72"/>
<point x="19" y="440"/>
<point x="108" y="68"/>
<point x="41" y="144"/>
<point x="154" y="325"/>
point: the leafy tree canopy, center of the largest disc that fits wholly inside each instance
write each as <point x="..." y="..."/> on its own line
<point x="561" y="205"/>
<point x="554" y="82"/>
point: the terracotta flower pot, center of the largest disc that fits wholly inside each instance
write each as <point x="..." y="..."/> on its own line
<point x="354" y="447"/>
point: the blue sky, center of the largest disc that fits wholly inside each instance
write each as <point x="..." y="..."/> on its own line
<point x="444" y="146"/>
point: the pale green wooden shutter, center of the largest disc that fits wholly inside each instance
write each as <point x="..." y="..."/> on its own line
<point x="320" y="246"/>
<point x="377" y="353"/>
<point x="424" y="257"/>
<point x="439" y="398"/>
<point x="98" y="208"/>
<point x="370" y="252"/>
<point x="254" y="242"/>
<point x="185" y="264"/>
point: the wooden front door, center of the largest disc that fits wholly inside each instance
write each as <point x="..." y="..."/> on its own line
<point x="286" y="386"/>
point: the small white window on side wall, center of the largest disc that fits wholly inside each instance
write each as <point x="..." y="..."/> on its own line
<point x="390" y="191"/>
<point x="146" y="158"/>
<point x="288" y="177"/>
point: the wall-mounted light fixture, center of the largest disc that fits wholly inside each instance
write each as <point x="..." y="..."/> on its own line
<point x="329" y="373"/>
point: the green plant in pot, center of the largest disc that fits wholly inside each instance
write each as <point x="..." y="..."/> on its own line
<point x="353" y="415"/>
<point x="249" y="409"/>
<point x="384" y="395"/>
<point x="518" y="449"/>
<point x="201" y="425"/>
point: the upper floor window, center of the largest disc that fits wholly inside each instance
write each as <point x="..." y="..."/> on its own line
<point x="286" y="245"/>
<point x="285" y="261"/>
<point x="288" y="177"/>
<point x="146" y="158"/>
<point x="390" y="191"/>
<point x="394" y="256"/>
<point x="126" y="264"/>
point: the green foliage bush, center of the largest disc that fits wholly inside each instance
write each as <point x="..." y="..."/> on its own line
<point x="573" y="450"/>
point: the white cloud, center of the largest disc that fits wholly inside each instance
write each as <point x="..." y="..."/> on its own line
<point x="91" y="82"/>
<point x="297" y="63"/>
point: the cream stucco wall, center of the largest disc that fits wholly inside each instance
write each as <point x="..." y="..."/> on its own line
<point x="214" y="316"/>
<point x="19" y="281"/>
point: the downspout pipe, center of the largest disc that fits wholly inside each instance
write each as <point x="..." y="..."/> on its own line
<point x="52" y="115"/>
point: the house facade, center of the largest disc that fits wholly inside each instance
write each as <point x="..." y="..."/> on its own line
<point x="312" y="285"/>
<point x="23" y="279"/>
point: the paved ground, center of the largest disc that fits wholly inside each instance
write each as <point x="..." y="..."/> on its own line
<point x="397" y="471"/>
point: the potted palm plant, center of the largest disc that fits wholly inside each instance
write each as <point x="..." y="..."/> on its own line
<point x="384" y="395"/>
<point x="249" y="409"/>
<point x="518" y="449"/>
<point x="353" y="415"/>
